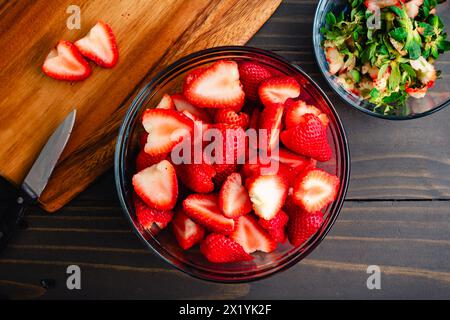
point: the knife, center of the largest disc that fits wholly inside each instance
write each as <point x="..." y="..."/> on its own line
<point x="35" y="181"/>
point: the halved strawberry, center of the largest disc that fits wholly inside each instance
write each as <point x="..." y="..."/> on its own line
<point x="217" y="86"/>
<point x="147" y="216"/>
<point x="251" y="236"/>
<point x="234" y="144"/>
<point x="335" y="59"/>
<point x="297" y="108"/>
<point x="204" y="209"/>
<point x="276" y="226"/>
<point x="233" y="197"/>
<point x="166" y="102"/>
<point x="197" y="177"/>
<point x="157" y="185"/>
<point x="308" y="138"/>
<point x="315" y="189"/>
<point x="99" y="45"/>
<point x="293" y="160"/>
<point x="229" y="116"/>
<point x="187" y="232"/>
<point x="277" y="90"/>
<point x="267" y="194"/>
<point x="166" y="128"/>
<point x="251" y="75"/>
<point x="271" y="121"/>
<point x="144" y="160"/>
<point x="65" y="62"/>
<point x="416" y="93"/>
<point x="302" y="225"/>
<point x="218" y="248"/>
<point x="223" y="171"/>
<point x="182" y="104"/>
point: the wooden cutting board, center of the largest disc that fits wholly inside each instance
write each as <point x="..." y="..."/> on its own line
<point x="150" y="33"/>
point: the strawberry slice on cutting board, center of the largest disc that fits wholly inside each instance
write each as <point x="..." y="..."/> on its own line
<point x="157" y="185"/>
<point x="99" y="45"/>
<point x="165" y="128"/>
<point x="204" y="209"/>
<point x="251" y="236"/>
<point x="64" y="62"/>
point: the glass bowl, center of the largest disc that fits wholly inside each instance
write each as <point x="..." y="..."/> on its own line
<point x="164" y="244"/>
<point x="437" y="97"/>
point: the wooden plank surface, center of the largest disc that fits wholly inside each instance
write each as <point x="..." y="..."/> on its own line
<point x="150" y="35"/>
<point x="397" y="216"/>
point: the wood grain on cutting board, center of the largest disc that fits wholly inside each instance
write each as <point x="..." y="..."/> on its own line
<point x="150" y="33"/>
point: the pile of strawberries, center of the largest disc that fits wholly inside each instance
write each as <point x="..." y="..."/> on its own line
<point x="234" y="208"/>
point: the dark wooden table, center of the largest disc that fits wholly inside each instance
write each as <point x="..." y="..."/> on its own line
<point x="396" y="216"/>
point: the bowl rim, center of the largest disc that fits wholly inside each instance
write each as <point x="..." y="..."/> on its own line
<point x="317" y="50"/>
<point x="120" y="149"/>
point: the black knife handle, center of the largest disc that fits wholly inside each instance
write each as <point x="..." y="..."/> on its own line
<point x="12" y="208"/>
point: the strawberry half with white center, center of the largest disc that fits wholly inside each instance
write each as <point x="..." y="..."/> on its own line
<point x="144" y="160"/>
<point x="276" y="226"/>
<point x="308" y="138"/>
<point x="218" y="248"/>
<point x="315" y="189"/>
<point x="197" y="177"/>
<point x="277" y="90"/>
<point x="416" y="93"/>
<point x="233" y="197"/>
<point x="99" y="45"/>
<point x="335" y="59"/>
<point x="293" y="160"/>
<point x="267" y="194"/>
<point x="166" y="128"/>
<point x="157" y="185"/>
<point x="204" y="209"/>
<point x="297" y="108"/>
<point x="166" y="102"/>
<point x="302" y="225"/>
<point x="181" y="104"/>
<point x="187" y="232"/>
<point x="229" y="116"/>
<point x="251" y="75"/>
<point x="271" y="121"/>
<point x="217" y="86"/>
<point x="148" y="216"/>
<point x="234" y="143"/>
<point x="412" y="8"/>
<point x="66" y="63"/>
<point x="251" y="236"/>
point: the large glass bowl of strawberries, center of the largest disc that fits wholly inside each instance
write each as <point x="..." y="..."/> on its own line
<point x="232" y="164"/>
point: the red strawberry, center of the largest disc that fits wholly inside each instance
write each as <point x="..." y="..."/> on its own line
<point x="297" y="108"/>
<point x="276" y="226"/>
<point x="295" y="161"/>
<point x="99" y="45"/>
<point x="302" y="225"/>
<point x="166" y="102"/>
<point x="144" y="160"/>
<point x="218" y="248"/>
<point x="270" y="120"/>
<point x="186" y="231"/>
<point x="251" y="75"/>
<point x="308" y="138"/>
<point x="315" y="189"/>
<point x="234" y="144"/>
<point x="231" y="117"/>
<point x="204" y="209"/>
<point x="251" y="236"/>
<point x="223" y="171"/>
<point x="148" y="216"/>
<point x="267" y="193"/>
<point x="233" y="197"/>
<point x="277" y="90"/>
<point x="66" y="63"/>
<point x="217" y="86"/>
<point x="197" y="177"/>
<point x="157" y="185"/>
<point x="166" y="128"/>
<point x="182" y="105"/>
<point x="142" y="139"/>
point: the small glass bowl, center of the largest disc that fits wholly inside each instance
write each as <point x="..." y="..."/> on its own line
<point x="437" y="97"/>
<point x="164" y="244"/>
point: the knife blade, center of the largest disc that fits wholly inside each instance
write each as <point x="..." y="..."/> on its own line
<point x="40" y="172"/>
